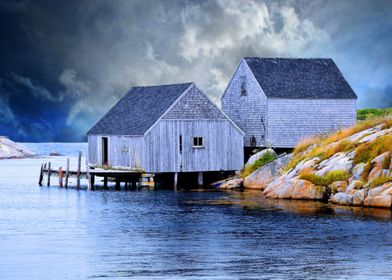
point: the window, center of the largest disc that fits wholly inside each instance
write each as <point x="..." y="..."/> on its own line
<point x="243" y="85"/>
<point x="197" y="142"/>
<point x="124" y="147"/>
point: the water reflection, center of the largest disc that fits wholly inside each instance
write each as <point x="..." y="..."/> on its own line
<point x="253" y="199"/>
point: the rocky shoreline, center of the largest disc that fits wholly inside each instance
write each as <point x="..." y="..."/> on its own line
<point x="10" y="149"/>
<point x="351" y="167"/>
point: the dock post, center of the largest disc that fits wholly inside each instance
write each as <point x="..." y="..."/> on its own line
<point x="61" y="175"/>
<point x="67" y="174"/>
<point x="200" y="179"/>
<point x="118" y="184"/>
<point x="41" y="175"/>
<point x="175" y="180"/>
<point x="134" y="183"/>
<point x="90" y="178"/>
<point x="49" y="174"/>
<point x="79" y="167"/>
<point x="105" y="182"/>
<point x="91" y="182"/>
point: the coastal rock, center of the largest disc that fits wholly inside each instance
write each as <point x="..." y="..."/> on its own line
<point x="10" y="149"/>
<point x="354" y="185"/>
<point x="260" y="178"/>
<point x="340" y="161"/>
<point x="378" y="160"/>
<point x="338" y="186"/>
<point x="357" y="171"/>
<point x="384" y="201"/>
<point x="359" y="197"/>
<point x="228" y="184"/>
<point x="295" y="189"/>
<point x="373" y="136"/>
<point x="258" y="155"/>
<point x="342" y="198"/>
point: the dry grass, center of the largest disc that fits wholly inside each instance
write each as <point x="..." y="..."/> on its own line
<point x="306" y="143"/>
<point x="341" y="146"/>
<point x="368" y="151"/>
<point x="366" y="170"/>
<point x="386" y="162"/>
<point x="328" y="178"/>
<point x="387" y="124"/>
<point x="323" y="151"/>
<point x="379" y="181"/>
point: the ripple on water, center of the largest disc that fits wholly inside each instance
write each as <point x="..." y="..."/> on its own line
<point x="47" y="232"/>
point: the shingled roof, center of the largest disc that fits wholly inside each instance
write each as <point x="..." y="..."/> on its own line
<point x="139" y="109"/>
<point x="309" y="78"/>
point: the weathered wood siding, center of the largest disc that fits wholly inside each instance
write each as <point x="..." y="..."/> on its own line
<point x="247" y="111"/>
<point x="124" y="151"/>
<point x="93" y="149"/>
<point x="290" y="120"/>
<point x="194" y="115"/>
<point x="222" y="150"/>
<point x="194" y="105"/>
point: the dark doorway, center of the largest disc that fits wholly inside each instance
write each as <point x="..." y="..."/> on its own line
<point x="105" y="157"/>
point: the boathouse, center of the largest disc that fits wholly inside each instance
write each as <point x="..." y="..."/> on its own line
<point x="166" y="129"/>
<point x="279" y="101"/>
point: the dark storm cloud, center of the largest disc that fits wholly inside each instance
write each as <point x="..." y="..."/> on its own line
<point x="64" y="63"/>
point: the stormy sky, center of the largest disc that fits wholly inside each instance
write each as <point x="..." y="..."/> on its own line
<point x="63" y="64"/>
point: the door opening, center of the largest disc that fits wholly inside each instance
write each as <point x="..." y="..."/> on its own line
<point x="105" y="152"/>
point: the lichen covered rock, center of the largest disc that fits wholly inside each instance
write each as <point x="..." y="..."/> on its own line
<point x="260" y="178"/>
<point x="296" y="189"/>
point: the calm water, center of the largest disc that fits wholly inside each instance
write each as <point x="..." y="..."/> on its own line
<point x="52" y="233"/>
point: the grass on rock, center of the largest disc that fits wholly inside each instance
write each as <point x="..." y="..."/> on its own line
<point x="325" y="146"/>
<point x="265" y="158"/>
<point x="328" y="178"/>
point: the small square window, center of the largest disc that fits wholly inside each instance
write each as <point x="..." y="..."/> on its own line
<point x="197" y="142"/>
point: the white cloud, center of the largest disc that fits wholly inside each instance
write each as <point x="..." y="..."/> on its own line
<point x="74" y="86"/>
<point x="220" y="35"/>
<point x="35" y="88"/>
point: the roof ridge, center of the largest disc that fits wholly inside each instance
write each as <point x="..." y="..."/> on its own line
<point x="288" y="58"/>
<point x="164" y="85"/>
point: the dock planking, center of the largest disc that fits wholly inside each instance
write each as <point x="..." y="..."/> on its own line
<point x="132" y="178"/>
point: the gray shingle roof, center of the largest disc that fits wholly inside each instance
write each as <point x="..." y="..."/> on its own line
<point x="138" y="110"/>
<point x="312" y="78"/>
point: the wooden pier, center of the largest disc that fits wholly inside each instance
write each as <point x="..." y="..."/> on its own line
<point x="131" y="178"/>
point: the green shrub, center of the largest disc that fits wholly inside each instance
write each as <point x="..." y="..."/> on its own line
<point x="265" y="158"/>
<point x="364" y="114"/>
<point x="328" y="178"/>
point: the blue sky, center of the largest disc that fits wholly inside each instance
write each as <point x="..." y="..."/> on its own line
<point x="64" y="64"/>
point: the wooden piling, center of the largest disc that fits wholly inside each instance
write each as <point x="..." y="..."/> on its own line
<point x="105" y="182"/>
<point x="200" y="179"/>
<point x="90" y="178"/>
<point x="61" y="176"/>
<point x="49" y="171"/>
<point x="67" y="174"/>
<point x="175" y="180"/>
<point x="78" y="173"/>
<point x="118" y="184"/>
<point x="41" y="175"/>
